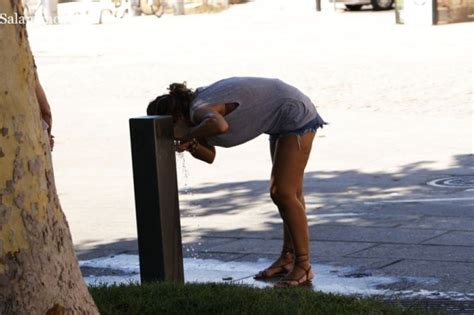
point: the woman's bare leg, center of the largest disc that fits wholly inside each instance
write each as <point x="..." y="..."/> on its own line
<point x="290" y="159"/>
<point x="286" y="258"/>
<point x="287" y="242"/>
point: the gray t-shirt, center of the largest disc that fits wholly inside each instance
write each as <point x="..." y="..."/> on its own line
<point x="264" y="106"/>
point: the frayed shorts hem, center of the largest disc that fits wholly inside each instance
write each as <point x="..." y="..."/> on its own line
<point x="312" y="126"/>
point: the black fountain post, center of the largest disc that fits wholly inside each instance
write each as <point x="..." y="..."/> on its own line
<point x="156" y="199"/>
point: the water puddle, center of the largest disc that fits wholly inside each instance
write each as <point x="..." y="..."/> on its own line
<point x="329" y="279"/>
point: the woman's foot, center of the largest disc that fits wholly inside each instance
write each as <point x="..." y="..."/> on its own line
<point x="301" y="275"/>
<point x="281" y="267"/>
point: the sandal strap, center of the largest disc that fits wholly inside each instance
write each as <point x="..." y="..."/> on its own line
<point x="298" y="281"/>
<point x="301" y="258"/>
<point x="304" y="269"/>
<point x="281" y="265"/>
<point x="279" y="270"/>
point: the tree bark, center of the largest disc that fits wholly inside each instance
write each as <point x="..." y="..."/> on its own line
<point x="39" y="272"/>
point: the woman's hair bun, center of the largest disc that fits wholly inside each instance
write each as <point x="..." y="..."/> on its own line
<point x="178" y="89"/>
<point x="177" y="101"/>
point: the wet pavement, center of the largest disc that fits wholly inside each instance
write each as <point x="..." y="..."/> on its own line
<point x="124" y="268"/>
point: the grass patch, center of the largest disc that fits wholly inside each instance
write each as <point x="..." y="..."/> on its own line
<point x="171" y="298"/>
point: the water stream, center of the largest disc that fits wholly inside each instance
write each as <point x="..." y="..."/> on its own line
<point x="184" y="171"/>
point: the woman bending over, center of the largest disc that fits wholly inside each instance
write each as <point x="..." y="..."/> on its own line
<point x="235" y="110"/>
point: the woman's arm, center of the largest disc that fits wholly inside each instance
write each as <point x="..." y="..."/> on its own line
<point x="203" y="151"/>
<point x="199" y="149"/>
<point x="43" y="104"/>
<point x="44" y="108"/>
<point x="210" y="122"/>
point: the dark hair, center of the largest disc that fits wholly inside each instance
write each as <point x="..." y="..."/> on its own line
<point x="176" y="103"/>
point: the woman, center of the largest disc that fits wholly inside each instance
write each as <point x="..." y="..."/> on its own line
<point x="235" y="110"/>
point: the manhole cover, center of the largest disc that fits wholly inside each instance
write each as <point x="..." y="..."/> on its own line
<point x="466" y="181"/>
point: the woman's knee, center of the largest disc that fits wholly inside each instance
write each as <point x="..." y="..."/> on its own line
<point x="282" y="195"/>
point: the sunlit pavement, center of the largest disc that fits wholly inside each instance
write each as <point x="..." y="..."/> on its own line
<point x="398" y="99"/>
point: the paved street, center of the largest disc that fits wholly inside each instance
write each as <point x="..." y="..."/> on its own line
<point x="398" y="100"/>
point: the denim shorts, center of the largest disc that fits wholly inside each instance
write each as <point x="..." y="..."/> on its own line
<point x="312" y="126"/>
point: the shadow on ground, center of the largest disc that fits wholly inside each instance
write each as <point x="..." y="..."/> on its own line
<point x="333" y="188"/>
<point x="332" y="195"/>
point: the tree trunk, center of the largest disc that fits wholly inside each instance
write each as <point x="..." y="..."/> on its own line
<point x="39" y="272"/>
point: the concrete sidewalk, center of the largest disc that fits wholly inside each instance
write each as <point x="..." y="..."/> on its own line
<point x="398" y="100"/>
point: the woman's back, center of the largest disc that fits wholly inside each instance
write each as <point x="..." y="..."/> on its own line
<point x="264" y="106"/>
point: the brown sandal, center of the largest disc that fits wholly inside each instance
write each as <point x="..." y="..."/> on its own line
<point x="303" y="281"/>
<point x="280" y="269"/>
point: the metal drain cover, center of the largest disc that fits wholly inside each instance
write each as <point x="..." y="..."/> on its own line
<point x="463" y="181"/>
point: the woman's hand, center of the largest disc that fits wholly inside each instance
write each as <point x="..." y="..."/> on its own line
<point x="48" y="119"/>
<point x="182" y="146"/>
<point x="47" y="128"/>
<point x="197" y="148"/>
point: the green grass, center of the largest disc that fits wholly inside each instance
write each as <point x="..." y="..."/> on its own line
<point x="170" y="298"/>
